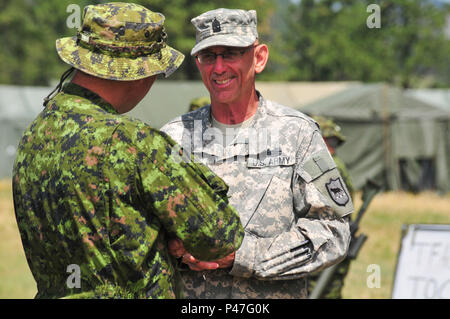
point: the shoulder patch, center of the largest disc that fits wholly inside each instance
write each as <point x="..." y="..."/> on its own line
<point x="337" y="191"/>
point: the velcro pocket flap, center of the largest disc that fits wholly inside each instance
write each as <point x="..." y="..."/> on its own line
<point x="317" y="165"/>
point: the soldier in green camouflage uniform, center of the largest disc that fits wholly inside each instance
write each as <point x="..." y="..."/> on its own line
<point x="333" y="137"/>
<point x="99" y="192"/>
<point x="199" y="102"/>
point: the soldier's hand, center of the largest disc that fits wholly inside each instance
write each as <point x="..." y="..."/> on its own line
<point x="176" y="249"/>
<point x="226" y="261"/>
<point x="198" y="265"/>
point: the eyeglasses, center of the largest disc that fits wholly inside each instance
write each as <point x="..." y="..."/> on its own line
<point x="229" y="55"/>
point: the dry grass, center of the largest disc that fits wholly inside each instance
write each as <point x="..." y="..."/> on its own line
<point x="16" y="280"/>
<point x="382" y="223"/>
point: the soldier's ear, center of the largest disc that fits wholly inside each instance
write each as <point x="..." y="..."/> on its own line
<point x="261" y="57"/>
<point x="197" y="63"/>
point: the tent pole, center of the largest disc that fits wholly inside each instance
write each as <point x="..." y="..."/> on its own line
<point x="387" y="139"/>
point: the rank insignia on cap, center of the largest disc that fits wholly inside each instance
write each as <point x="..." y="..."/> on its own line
<point x="216" y="25"/>
<point x="337" y="191"/>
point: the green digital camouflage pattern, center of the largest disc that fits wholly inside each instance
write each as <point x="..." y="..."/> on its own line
<point x="329" y="128"/>
<point x="120" y="41"/>
<point x="199" y="102"/>
<point x="102" y="191"/>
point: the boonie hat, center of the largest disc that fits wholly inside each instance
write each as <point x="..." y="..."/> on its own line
<point x="329" y="128"/>
<point x="225" y="27"/>
<point x="120" y="41"/>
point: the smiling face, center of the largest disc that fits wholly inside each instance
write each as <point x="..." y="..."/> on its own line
<point x="231" y="82"/>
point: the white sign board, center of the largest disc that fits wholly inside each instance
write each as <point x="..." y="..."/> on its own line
<point x="423" y="266"/>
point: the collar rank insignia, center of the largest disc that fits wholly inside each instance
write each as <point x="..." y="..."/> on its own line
<point x="216" y="25"/>
<point x="337" y="191"/>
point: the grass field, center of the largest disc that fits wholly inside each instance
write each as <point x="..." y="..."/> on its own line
<point x="382" y="224"/>
<point x="16" y="280"/>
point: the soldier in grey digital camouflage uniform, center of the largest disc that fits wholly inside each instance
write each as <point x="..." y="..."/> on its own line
<point x="97" y="191"/>
<point x="283" y="182"/>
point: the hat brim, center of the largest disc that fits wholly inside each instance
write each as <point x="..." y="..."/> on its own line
<point x="227" y="40"/>
<point x="118" y="68"/>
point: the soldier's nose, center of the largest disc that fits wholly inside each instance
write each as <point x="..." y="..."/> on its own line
<point x="219" y="65"/>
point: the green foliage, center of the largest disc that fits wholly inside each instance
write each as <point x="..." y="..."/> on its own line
<point x="309" y="40"/>
<point x="31" y="27"/>
<point x="329" y="40"/>
<point x="29" y="31"/>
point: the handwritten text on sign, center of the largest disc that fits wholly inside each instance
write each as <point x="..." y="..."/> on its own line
<point x="423" y="269"/>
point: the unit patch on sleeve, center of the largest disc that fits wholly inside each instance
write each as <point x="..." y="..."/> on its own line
<point x="337" y="191"/>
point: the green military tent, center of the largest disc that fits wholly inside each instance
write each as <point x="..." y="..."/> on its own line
<point x="396" y="139"/>
<point x="437" y="97"/>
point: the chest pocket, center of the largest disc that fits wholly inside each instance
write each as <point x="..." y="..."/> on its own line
<point x="273" y="213"/>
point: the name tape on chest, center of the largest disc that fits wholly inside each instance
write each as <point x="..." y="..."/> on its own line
<point x="281" y="160"/>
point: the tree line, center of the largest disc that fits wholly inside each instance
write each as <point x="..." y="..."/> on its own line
<point x="309" y="40"/>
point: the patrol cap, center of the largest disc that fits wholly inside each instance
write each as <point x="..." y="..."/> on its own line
<point x="120" y="41"/>
<point x="225" y="27"/>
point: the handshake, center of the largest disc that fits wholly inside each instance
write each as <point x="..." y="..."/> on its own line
<point x="176" y="249"/>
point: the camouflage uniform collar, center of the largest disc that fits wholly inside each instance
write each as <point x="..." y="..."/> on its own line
<point x="75" y="89"/>
<point x="261" y="111"/>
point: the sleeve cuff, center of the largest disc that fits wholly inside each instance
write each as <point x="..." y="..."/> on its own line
<point x="244" y="260"/>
